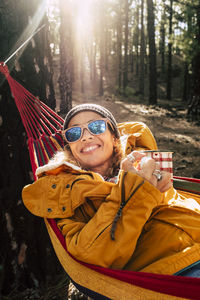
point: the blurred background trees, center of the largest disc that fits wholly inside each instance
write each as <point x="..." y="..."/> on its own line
<point x="142" y="50"/>
<point x="139" y="51"/>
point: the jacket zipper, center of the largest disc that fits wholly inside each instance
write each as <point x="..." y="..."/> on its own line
<point x="119" y="212"/>
<point x="122" y="205"/>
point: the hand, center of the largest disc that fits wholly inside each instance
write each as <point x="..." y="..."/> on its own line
<point x="148" y="170"/>
<point x="165" y="183"/>
<point x="127" y="164"/>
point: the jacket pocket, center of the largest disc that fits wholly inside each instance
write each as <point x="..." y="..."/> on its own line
<point x="99" y="235"/>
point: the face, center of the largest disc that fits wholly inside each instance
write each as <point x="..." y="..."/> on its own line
<point x="93" y="152"/>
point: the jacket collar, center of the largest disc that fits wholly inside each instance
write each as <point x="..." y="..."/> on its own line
<point x="55" y="163"/>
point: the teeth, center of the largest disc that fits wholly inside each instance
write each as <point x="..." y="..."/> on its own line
<point x="90" y="148"/>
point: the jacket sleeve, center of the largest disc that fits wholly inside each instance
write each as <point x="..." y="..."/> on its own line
<point x="136" y="136"/>
<point x="132" y="199"/>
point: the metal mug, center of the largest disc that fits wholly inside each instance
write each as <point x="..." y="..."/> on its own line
<point x="164" y="158"/>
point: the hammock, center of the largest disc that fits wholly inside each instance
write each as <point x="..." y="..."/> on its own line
<point x="43" y="127"/>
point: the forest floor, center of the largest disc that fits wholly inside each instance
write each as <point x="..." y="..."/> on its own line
<point x="168" y="122"/>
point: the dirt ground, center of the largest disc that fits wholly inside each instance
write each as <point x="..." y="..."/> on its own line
<point x="167" y="122"/>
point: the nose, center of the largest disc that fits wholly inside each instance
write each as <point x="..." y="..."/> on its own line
<point x="86" y="135"/>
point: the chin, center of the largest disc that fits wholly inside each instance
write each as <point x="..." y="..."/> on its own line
<point x="91" y="164"/>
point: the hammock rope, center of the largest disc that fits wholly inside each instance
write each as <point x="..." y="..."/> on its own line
<point x="43" y="128"/>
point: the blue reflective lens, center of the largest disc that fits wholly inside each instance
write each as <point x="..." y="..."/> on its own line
<point x="73" y="134"/>
<point x="97" y="127"/>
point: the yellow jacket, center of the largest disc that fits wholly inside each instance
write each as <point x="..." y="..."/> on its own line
<point x="152" y="232"/>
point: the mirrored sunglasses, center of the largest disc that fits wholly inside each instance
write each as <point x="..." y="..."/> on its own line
<point x="74" y="134"/>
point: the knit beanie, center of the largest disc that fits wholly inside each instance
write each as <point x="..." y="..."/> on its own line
<point x="92" y="107"/>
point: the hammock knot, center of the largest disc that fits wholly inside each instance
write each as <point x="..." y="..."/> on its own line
<point x="4" y="69"/>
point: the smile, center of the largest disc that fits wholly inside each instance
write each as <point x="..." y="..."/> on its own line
<point x="89" y="148"/>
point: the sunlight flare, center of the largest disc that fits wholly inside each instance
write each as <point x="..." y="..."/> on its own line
<point x="83" y="15"/>
<point x="32" y="26"/>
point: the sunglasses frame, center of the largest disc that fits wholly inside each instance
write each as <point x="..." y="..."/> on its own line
<point x="85" y="126"/>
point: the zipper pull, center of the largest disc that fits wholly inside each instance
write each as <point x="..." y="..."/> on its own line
<point x="114" y="224"/>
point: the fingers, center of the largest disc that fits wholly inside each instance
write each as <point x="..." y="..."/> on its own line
<point x="147" y="169"/>
<point x="127" y="165"/>
<point x="135" y="156"/>
<point x="165" y="183"/>
<point x="151" y="171"/>
<point x="166" y="188"/>
<point x="157" y="166"/>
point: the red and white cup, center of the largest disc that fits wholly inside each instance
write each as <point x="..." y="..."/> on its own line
<point x="164" y="158"/>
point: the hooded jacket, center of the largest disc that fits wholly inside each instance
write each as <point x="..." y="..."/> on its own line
<point x="124" y="225"/>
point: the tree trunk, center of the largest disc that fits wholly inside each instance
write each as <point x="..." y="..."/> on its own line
<point x="101" y="65"/>
<point x="101" y="49"/>
<point x="82" y="71"/>
<point x="162" y="39"/>
<point x="106" y="46"/>
<point x="125" y="68"/>
<point x="169" y="69"/>
<point x="137" y="41"/>
<point x="66" y="56"/>
<point x="185" y="83"/>
<point x="142" y="52"/>
<point x="119" y="45"/>
<point x="152" y="54"/>
<point x="94" y="70"/>
<point x="91" y="49"/>
<point x="194" y="106"/>
<point x="196" y="60"/>
<point x="101" y="90"/>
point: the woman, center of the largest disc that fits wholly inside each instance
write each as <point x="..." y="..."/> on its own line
<point x="111" y="214"/>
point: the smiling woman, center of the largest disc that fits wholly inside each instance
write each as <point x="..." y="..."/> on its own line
<point x="110" y="213"/>
<point x="92" y="150"/>
<point x="91" y="134"/>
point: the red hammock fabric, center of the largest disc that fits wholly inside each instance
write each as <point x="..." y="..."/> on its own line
<point x="43" y="127"/>
<point x="178" y="286"/>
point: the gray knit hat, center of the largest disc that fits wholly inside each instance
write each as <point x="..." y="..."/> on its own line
<point x="92" y="107"/>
